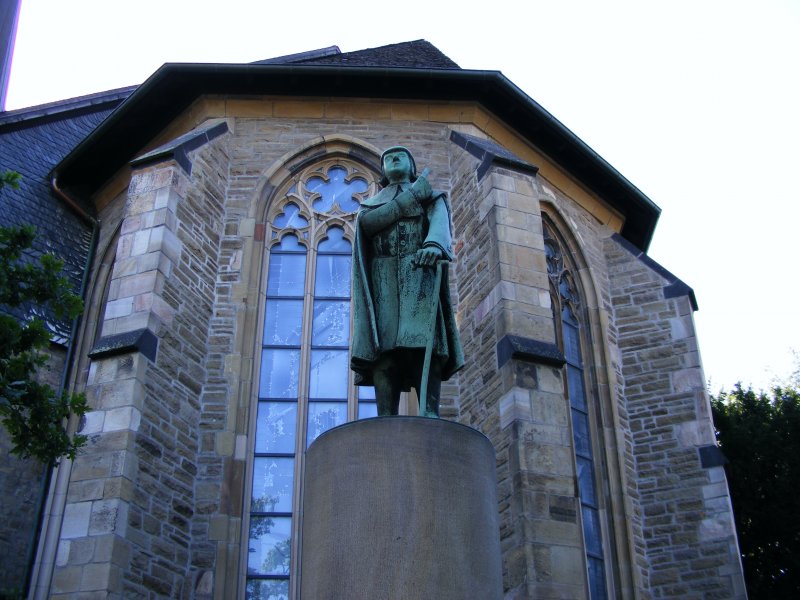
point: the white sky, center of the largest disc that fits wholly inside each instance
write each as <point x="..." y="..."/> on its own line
<point x="695" y="102"/>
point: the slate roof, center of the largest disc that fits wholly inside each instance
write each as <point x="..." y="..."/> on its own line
<point x="32" y="142"/>
<point x="419" y="54"/>
<point x="299" y="56"/>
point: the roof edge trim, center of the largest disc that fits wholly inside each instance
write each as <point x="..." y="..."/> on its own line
<point x="97" y="100"/>
<point x="174" y="86"/>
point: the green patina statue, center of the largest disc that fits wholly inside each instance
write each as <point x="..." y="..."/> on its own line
<point x="405" y="333"/>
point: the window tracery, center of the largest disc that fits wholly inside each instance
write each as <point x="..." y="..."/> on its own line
<point x="570" y="322"/>
<point x="305" y="386"/>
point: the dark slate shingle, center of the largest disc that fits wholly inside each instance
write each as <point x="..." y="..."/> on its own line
<point x="419" y="54"/>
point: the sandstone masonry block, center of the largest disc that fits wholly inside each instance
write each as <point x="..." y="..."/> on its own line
<point x="76" y="520"/>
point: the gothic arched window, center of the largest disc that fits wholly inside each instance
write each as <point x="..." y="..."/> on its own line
<point x="571" y="329"/>
<point x="305" y="386"/>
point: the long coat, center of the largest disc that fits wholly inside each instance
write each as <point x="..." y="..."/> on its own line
<point x="392" y="298"/>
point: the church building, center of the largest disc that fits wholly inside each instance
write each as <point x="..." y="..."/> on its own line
<point x="207" y="215"/>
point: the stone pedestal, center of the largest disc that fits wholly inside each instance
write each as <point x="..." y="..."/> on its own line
<point x="399" y="508"/>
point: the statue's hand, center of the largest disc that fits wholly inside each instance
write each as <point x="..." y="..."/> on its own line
<point x="427" y="257"/>
<point x="422" y="190"/>
<point x="408" y="204"/>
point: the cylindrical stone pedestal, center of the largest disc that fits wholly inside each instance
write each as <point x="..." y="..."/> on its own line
<point x="400" y="508"/>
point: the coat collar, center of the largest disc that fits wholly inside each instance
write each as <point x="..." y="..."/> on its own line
<point x="387" y="194"/>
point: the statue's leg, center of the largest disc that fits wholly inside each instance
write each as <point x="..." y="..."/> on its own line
<point x="387" y="378"/>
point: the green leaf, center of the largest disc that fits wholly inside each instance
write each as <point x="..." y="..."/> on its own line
<point x="33" y="415"/>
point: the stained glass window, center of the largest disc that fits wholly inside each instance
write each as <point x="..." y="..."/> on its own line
<point x="304" y="385"/>
<point x="566" y="305"/>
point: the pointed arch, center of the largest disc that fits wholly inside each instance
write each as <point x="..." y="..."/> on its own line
<point x="347" y="148"/>
<point x="306" y="207"/>
<point x="577" y="312"/>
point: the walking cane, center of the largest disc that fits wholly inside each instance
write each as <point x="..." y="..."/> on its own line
<point x="441" y="265"/>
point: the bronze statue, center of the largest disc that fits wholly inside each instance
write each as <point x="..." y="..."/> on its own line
<point x="405" y="333"/>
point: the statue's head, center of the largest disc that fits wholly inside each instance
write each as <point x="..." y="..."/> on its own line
<point x="397" y="165"/>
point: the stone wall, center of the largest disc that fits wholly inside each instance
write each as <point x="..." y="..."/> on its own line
<point x="517" y="400"/>
<point x="689" y="541"/>
<point x="132" y="522"/>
